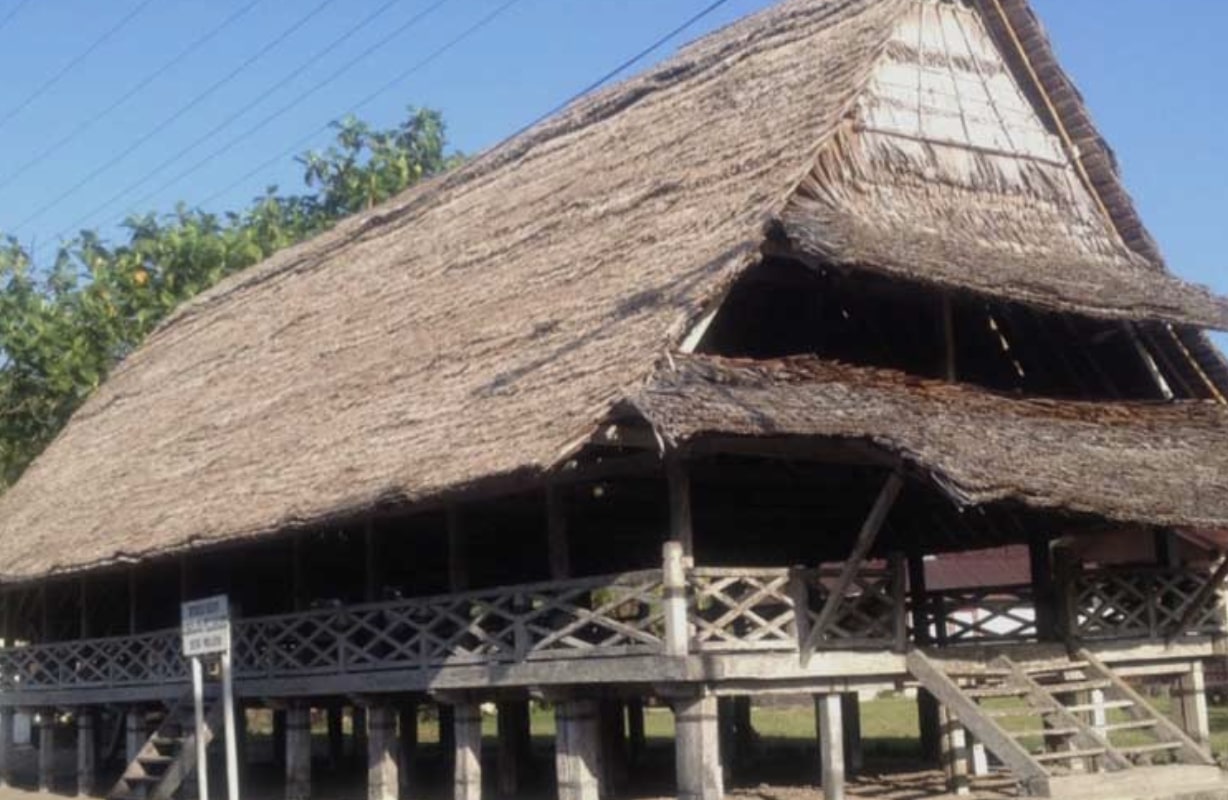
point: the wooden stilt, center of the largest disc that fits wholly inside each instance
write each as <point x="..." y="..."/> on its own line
<point x="358" y="730"/>
<point x="6" y="746"/>
<point x="408" y="730"/>
<point x="134" y="733"/>
<point x="613" y="757"/>
<point x="577" y="750"/>
<point x="1192" y="696"/>
<point x="955" y="753"/>
<point x="831" y="744"/>
<point x="744" y="728"/>
<point x="447" y="728"/>
<point x="468" y="764"/>
<point x="298" y="752"/>
<point x="681" y="528"/>
<point x="46" y="751"/>
<point x="241" y="737"/>
<point x="697" y="749"/>
<point x="635" y="728"/>
<point x="850" y="711"/>
<point x="87" y="760"/>
<point x="383" y="759"/>
<point x="279" y="736"/>
<point x="336" y="735"/>
<point x="727" y="727"/>
<point x="929" y="721"/>
<point x="513" y="720"/>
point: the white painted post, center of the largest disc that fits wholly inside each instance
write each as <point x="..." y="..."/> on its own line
<point x="468" y="768"/>
<point x="86" y="755"/>
<point x="134" y="734"/>
<point x="298" y="752"/>
<point x="955" y="753"/>
<point x="232" y="737"/>
<point x="677" y="633"/>
<point x="1100" y="717"/>
<point x="198" y="700"/>
<point x="577" y="750"/>
<point x="698" y="749"/>
<point x="383" y="782"/>
<point x="1193" y="700"/>
<point x="831" y="740"/>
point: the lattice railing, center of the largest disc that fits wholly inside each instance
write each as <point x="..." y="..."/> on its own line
<point x="983" y="614"/>
<point x="1138" y="603"/>
<point x="871" y="613"/>
<point x="604" y="616"/>
<point x="741" y="609"/>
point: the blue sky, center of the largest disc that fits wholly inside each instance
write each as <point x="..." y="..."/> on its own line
<point x="1153" y="81"/>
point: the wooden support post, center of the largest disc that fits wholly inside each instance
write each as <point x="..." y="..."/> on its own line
<point x="279" y="736"/>
<point x="557" y="545"/>
<point x="46" y="750"/>
<point x="134" y="733"/>
<point x="744" y="728"/>
<point x="929" y="720"/>
<point x="920" y="598"/>
<point x="681" y="524"/>
<point x="467" y="719"/>
<point x="1192" y="697"/>
<point x="727" y="728"/>
<point x="1041" y="562"/>
<point x="383" y="760"/>
<point x="87" y="758"/>
<point x="955" y="753"/>
<point x="358" y="730"/>
<point x="298" y="752"/>
<point x="577" y="749"/>
<point x="6" y="746"/>
<point x="861" y="548"/>
<point x="241" y="735"/>
<point x="1099" y="714"/>
<point x="336" y="735"/>
<point x="83" y="601"/>
<point x="613" y="755"/>
<point x="636" y="740"/>
<point x="458" y="552"/>
<point x="697" y="749"/>
<point x="133" y="620"/>
<point x="850" y="711"/>
<point x="513" y="723"/>
<point x="831" y="744"/>
<point x="677" y="629"/>
<point x="298" y="581"/>
<point x="371" y="574"/>
<point x="408" y="731"/>
<point x="447" y="728"/>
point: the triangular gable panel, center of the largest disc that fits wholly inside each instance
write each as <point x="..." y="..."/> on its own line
<point x="945" y="172"/>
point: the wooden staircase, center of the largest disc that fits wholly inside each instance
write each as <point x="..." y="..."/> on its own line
<point x="1068" y="727"/>
<point x="168" y="757"/>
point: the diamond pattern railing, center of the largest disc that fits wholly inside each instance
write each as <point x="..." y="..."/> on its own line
<point x="1138" y="603"/>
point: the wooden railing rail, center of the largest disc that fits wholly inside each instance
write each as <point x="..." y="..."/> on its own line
<point x="980" y="615"/>
<point x="1142" y="603"/>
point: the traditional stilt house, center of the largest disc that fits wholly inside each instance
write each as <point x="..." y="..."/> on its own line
<point x="669" y="400"/>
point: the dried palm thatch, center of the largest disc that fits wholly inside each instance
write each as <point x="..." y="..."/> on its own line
<point x="479" y="325"/>
<point x="1148" y="463"/>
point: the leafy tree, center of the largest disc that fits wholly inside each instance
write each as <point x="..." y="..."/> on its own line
<point x="62" y="328"/>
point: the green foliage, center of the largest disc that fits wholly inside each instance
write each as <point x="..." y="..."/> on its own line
<point x="62" y="328"/>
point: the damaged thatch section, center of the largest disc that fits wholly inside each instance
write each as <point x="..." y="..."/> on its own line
<point x="479" y="325"/>
<point x="1154" y="464"/>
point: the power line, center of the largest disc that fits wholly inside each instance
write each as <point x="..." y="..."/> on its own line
<point x="298" y="99"/>
<point x="136" y="89"/>
<point x="625" y="65"/>
<point x="373" y="96"/>
<point x="628" y="64"/>
<point x="12" y="13"/>
<point x="67" y="68"/>
<point x="161" y="126"/>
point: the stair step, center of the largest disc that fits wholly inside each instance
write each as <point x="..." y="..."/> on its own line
<point x="1023" y="712"/>
<point x="1068" y="755"/>
<point x="1106" y="705"/>
<point x="156" y="760"/>
<point x="1076" y="686"/>
<point x="995" y="691"/>
<point x="1157" y="747"/>
<point x="1133" y="725"/>
<point x="139" y="779"/>
<point x="1042" y="669"/>
<point x="1045" y="732"/>
<point x="166" y="741"/>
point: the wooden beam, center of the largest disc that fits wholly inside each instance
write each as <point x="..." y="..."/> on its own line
<point x="557" y="545"/>
<point x="861" y="548"/>
<point x="458" y="552"/>
<point x="1149" y="361"/>
<point x="681" y="522"/>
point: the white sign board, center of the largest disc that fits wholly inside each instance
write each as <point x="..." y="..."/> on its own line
<point x="206" y="626"/>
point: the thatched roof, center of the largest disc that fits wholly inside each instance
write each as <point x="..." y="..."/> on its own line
<point x="480" y="325"/>
<point x="1163" y="464"/>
